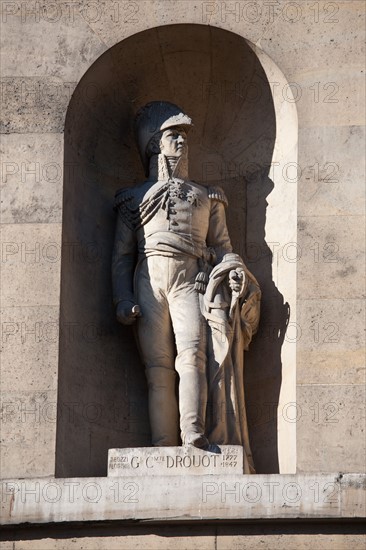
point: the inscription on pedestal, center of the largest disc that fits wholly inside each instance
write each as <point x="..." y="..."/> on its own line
<point x="174" y="461"/>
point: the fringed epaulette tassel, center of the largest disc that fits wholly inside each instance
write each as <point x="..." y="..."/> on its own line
<point x="201" y="282"/>
<point x="122" y="196"/>
<point x="217" y="194"/>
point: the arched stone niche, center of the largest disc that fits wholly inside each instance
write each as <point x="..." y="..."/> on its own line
<point x="241" y="133"/>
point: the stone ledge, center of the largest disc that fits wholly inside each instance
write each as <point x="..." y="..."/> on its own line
<point x="182" y="498"/>
<point x="164" y="498"/>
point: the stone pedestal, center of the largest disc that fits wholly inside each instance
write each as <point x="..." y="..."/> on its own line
<point x="172" y="461"/>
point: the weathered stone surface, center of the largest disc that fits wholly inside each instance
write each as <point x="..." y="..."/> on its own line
<point x="329" y="184"/>
<point x="334" y="101"/>
<point x="330" y="427"/>
<point x="31" y="262"/>
<point x="319" y="541"/>
<point x="227" y="538"/>
<point x="330" y="342"/>
<point x="330" y="257"/>
<point x="56" y="39"/>
<point x="37" y="500"/>
<point x="354" y="486"/>
<point x="173" y="461"/>
<point x="322" y="30"/>
<point x="147" y="541"/>
<point x="34" y="105"/>
<point x="29" y="348"/>
<point x="32" y="178"/>
<point x="28" y="429"/>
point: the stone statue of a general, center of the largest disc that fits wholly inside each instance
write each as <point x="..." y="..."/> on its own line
<point x="194" y="303"/>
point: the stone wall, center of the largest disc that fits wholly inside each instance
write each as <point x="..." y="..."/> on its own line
<point x="49" y="48"/>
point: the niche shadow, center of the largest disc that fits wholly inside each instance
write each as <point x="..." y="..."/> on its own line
<point x="218" y="80"/>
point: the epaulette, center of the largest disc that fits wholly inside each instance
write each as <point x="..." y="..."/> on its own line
<point x="122" y="196"/>
<point x="217" y="194"/>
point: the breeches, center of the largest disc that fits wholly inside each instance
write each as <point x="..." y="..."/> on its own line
<point x="172" y="338"/>
<point x="171" y="330"/>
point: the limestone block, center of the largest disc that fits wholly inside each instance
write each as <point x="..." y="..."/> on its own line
<point x="31" y="261"/>
<point x="338" y="99"/>
<point x="330" y="427"/>
<point x="173" y="461"/>
<point x="34" y="104"/>
<point x="352" y="487"/>
<point x="226" y="539"/>
<point x="29" y="348"/>
<point x="56" y="39"/>
<point x="313" y="36"/>
<point x="147" y="541"/>
<point x="279" y="541"/>
<point x="330" y="257"/>
<point x="329" y="184"/>
<point x="330" y="342"/>
<point x="32" y="178"/>
<point x="28" y="428"/>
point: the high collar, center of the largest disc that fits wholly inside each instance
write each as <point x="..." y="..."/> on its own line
<point x="163" y="168"/>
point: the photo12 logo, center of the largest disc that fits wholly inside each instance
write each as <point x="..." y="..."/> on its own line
<point x="69" y="12"/>
<point x="269" y="11"/>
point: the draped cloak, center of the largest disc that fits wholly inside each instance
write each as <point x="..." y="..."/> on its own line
<point x="232" y="320"/>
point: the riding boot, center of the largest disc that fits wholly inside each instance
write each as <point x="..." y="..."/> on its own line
<point x="192" y="405"/>
<point x="163" y="407"/>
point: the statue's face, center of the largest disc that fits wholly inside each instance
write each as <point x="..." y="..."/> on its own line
<point x="173" y="142"/>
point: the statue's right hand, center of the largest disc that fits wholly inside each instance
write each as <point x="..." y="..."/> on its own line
<point x="127" y="312"/>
